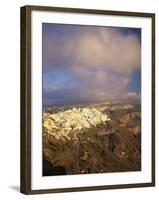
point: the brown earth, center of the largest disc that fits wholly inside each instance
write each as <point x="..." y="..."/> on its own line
<point x="110" y="146"/>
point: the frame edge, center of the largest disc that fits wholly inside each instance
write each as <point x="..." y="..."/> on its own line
<point x="25" y="107"/>
<point x="153" y="101"/>
<point x="88" y="11"/>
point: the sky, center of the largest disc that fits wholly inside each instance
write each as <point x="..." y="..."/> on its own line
<point x="90" y="64"/>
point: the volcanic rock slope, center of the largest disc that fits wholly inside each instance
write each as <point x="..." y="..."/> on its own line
<point x="92" y="139"/>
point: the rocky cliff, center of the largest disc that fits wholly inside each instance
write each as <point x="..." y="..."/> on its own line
<point x="86" y="140"/>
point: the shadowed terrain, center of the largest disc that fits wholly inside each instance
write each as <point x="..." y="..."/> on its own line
<point x="92" y="139"/>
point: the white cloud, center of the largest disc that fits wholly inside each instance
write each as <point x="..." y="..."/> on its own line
<point x="107" y="49"/>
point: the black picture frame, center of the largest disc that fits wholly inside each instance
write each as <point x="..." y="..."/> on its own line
<point x="26" y="87"/>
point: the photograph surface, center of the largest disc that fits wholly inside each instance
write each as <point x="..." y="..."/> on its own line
<point x="91" y="93"/>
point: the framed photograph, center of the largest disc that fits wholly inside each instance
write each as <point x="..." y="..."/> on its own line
<point x="87" y="99"/>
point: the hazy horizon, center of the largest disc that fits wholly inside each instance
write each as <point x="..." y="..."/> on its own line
<point x="92" y="103"/>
